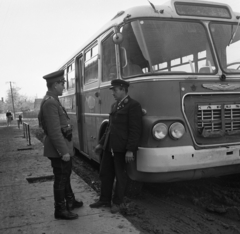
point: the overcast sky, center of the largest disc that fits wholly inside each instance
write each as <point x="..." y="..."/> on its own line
<point x="38" y="36"/>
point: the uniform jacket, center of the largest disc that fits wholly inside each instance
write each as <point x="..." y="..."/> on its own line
<point x="124" y="128"/>
<point x="55" y="117"/>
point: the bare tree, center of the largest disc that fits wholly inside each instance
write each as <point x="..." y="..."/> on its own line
<point x="21" y="102"/>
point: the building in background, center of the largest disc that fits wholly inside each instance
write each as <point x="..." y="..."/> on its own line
<point x="37" y="103"/>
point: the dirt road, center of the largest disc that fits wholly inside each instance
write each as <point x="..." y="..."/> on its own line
<point x="209" y="206"/>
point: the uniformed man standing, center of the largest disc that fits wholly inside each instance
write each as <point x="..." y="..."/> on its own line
<point x="58" y="146"/>
<point x="120" y="144"/>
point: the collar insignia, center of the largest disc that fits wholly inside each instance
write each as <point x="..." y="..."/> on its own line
<point x="120" y="106"/>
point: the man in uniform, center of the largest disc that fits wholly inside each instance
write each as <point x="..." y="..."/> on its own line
<point x="120" y="144"/>
<point x="58" y="146"/>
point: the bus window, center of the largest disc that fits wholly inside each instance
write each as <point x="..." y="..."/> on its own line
<point x="65" y="77"/>
<point x="109" y="69"/>
<point x="91" y="65"/>
<point x="133" y="61"/>
<point x="149" y="43"/>
<point x="71" y="76"/>
<point x="226" y="38"/>
<point x="61" y="101"/>
<point x="68" y="103"/>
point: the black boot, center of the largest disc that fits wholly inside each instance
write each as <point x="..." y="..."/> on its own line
<point x="60" y="209"/>
<point x="72" y="203"/>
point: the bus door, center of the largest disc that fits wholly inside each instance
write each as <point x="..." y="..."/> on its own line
<point x="80" y="135"/>
<point x="91" y="99"/>
<point x="108" y="73"/>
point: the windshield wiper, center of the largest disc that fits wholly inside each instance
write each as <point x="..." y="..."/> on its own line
<point x="234" y="34"/>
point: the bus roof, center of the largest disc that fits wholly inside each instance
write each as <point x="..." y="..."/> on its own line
<point x="166" y="10"/>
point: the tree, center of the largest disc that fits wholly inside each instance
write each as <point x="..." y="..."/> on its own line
<point x="21" y="102"/>
<point x="2" y="106"/>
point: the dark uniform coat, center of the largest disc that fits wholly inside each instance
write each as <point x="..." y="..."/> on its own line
<point x="125" y="127"/>
<point x="55" y="118"/>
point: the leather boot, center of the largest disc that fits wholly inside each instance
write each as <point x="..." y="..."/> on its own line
<point x="60" y="208"/>
<point x="72" y="203"/>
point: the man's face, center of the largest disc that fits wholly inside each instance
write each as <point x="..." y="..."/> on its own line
<point x="59" y="86"/>
<point x="118" y="93"/>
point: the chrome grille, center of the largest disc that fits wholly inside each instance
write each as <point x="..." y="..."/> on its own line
<point x="232" y="117"/>
<point x="218" y="117"/>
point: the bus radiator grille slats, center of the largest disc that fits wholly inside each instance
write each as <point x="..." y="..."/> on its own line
<point x="218" y="117"/>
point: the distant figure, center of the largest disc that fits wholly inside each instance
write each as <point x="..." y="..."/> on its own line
<point x="9" y="118"/>
<point x="19" y="120"/>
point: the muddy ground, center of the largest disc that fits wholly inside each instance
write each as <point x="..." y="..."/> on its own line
<point x="208" y="206"/>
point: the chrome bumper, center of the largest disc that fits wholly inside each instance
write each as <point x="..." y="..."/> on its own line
<point x="185" y="158"/>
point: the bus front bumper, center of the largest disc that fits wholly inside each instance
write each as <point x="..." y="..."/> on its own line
<point x="172" y="159"/>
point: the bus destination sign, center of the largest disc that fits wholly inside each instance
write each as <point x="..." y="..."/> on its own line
<point x="202" y="10"/>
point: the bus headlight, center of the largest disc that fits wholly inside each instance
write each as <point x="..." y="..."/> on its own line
<point x="159" y="131"/>
<point x="176" y="130"/>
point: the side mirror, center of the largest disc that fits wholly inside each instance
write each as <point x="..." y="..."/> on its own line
<point x="117" y="38"/>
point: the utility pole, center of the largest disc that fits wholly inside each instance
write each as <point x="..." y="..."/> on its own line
<point x="12" y="99"/>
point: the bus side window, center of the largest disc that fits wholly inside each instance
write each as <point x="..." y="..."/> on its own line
<point x="109" y="68"/>
<point x="66" y="78"/>
<point x="71" y="76"/>
<point x="62" y="101"/>
<point x="68" y="103"/>
<point x="91" y="65"/>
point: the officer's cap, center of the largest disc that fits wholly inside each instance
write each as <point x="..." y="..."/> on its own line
<point x="119" y="83"/>
<point x="57" y="76"/>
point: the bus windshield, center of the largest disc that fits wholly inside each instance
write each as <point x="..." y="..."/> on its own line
<point x="226" y="38"/>
<point x="165" y="47"/>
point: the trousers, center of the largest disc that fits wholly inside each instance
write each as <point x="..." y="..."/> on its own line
<point x="111" y="167"/>
<point x="62" y="172"/>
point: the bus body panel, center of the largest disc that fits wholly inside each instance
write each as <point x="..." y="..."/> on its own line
<point x="75" y="138"/>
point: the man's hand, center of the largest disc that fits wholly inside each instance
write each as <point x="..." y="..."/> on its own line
<point x="66" y="157"/>
<point x="129" y="157"/>
<point x="98" y="149"/>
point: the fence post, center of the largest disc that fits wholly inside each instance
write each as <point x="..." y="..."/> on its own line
<point x="26" y="132"/>
<point x="24" y="125"/>
<point x="29" y="135"/>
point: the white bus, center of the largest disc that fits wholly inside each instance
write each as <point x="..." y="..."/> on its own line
<point x="182" y="60"/>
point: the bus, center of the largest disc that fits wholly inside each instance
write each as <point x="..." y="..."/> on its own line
<point x="182" y="60"/>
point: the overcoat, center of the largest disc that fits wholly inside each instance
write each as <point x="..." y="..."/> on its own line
<point x="125" y="127"/>
<point x="55" y="117"/>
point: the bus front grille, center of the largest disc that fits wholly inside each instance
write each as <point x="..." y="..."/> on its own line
<point x="214" y="118"/>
